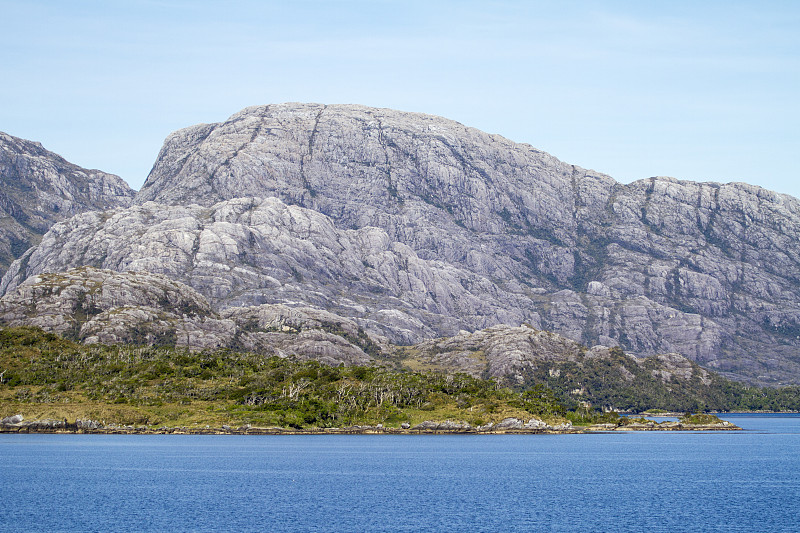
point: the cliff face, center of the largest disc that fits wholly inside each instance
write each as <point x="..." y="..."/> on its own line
<point x="417" y="226"/>
<point x="659" y="265"/>
<point x="40" y="188"/>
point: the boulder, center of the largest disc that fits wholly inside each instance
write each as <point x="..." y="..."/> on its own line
<point x="12" y="420"/>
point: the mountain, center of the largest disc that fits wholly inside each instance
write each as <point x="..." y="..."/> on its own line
<point x="417" y="227"/>
<point x="40" y="188"/>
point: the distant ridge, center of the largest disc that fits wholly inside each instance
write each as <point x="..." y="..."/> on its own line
<point x="39" y="188"/>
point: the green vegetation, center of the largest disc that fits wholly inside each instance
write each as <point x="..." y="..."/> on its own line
<point x="43" y="375"/>
<point x="619" y="383"/>
<point x="700" y="418"/>
<point x="46" y="376"/>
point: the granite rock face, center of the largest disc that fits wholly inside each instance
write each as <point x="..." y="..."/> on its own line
<point x="97" y="305"/>
<point x="497" y="352"/>
<point x="705" y="269"/>
<point x="251" y="251"/>
<point x="40" y="188"/>
<point x="457" y="229"/>
<point x="104" y="306"/>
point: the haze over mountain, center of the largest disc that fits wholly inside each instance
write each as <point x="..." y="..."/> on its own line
<point x="415" y="226"/>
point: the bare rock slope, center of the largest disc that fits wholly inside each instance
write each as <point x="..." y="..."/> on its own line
<point x="250" y="251"/>
<point x="104" y="306"/>
<point x="456" y="229"/>
<point x="40" y="188"/>
<point x="514" y="354"/>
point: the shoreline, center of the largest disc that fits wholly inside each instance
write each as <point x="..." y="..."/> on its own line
<point x="60" y="427"/>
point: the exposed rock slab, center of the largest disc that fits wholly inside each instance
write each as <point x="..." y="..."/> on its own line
<point x="250" y="251"/>
<point x="104" y="306"/>
<point x="514" y="354"/>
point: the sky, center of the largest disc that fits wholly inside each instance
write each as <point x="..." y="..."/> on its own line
<point x="700" y="90"/>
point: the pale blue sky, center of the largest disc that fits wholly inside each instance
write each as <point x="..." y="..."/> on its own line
<point x="695" y="90"/>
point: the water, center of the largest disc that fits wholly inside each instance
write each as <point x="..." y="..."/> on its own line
<point x="670" y="481"/>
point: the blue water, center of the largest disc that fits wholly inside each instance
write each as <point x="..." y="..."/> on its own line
<point x="671" y="481"/>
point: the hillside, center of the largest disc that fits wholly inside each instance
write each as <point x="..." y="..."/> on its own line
<point x="47" y="379"/>
<point x="138" y="308"/>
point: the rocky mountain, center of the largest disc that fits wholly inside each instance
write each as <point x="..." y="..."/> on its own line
<point x="103" y="306"/>
<point x="416" y="227"/>
<point x="40" y="188"/>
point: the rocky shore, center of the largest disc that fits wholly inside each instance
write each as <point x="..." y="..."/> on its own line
<point x="16" y="424"/>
